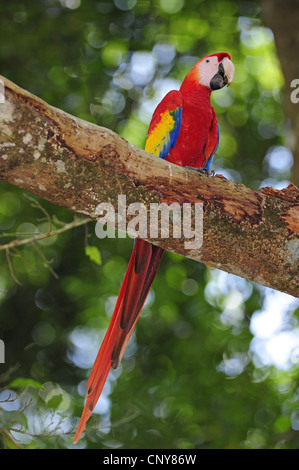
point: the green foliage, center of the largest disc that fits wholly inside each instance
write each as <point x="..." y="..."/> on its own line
<point x="195" y="374"/>
<point x="23" y="383"/>
<point x="94" y="254"/>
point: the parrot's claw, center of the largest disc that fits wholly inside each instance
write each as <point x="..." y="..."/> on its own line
<point x="205" y="171"/>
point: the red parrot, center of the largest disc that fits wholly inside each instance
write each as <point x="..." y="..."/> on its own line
<point x="184" y="130"/>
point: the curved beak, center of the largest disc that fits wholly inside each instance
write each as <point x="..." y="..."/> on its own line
<point x="224" y="76"/>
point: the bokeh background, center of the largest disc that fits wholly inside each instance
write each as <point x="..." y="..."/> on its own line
<point x="214" y="361"/>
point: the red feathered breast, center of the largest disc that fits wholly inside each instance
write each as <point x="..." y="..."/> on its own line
<point x="195" y="128"/>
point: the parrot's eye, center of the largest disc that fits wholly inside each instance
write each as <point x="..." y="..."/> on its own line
<point x="207" y="60"/>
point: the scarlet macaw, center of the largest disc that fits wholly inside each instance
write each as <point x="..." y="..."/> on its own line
<point x="184" y="130"/>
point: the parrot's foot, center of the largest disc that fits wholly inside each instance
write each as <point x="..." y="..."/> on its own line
<point x="204" y="171"/>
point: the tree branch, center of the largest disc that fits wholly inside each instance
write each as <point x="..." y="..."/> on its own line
<point x="41" y="236"/>
<point x="78" y="165"/>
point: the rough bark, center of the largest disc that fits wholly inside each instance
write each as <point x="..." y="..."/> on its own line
<point x="283" y="19"/>
<point x="78" y="165"/>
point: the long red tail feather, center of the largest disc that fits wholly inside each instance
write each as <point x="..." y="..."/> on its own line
<point x="141" y="271"/>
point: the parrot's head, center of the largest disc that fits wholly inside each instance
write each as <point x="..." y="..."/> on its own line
<point x="215" y="71"/>
<point x="212" y="72"/>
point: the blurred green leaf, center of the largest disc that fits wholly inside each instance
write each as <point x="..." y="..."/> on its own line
<point x="12" y="418"/>
<point x="54" y="402"/>
<point x="23" y="383"/>
<point x="93" y="254"/>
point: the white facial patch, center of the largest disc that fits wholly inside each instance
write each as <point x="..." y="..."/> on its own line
<point x="207" y="69"/>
